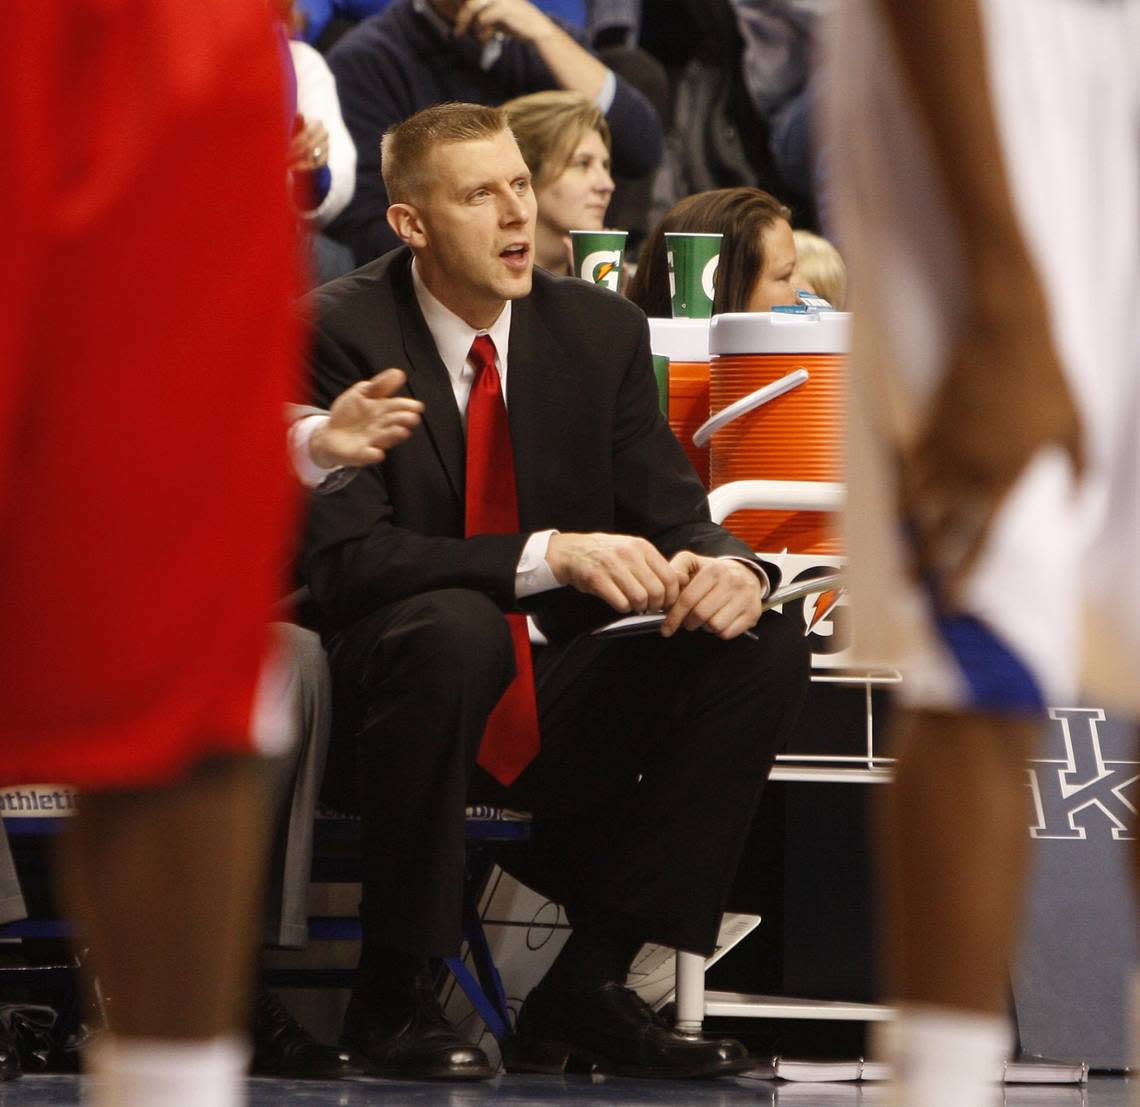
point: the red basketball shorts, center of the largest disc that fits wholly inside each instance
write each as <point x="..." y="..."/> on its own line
<point x="146" y="347"/>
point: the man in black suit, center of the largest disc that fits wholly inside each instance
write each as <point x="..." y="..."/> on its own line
<point x="654" y="748"/>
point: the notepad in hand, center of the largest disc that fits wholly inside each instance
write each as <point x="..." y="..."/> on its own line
<point x="650" y="623"/>
<point x="630" y="625"/>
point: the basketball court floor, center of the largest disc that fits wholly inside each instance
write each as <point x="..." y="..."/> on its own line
<point x="550" y="1091"/>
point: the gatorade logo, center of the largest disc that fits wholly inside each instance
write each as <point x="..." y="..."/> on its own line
<point x="602" y="267"/>
<point x="708" y="276"/>
<point x="823" y="616"/>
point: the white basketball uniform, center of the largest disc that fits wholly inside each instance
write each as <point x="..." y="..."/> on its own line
<point x="1053" y="604"/>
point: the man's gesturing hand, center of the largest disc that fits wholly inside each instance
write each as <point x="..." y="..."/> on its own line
<point x="721" y="595"/>
<point x="628" y="573"/>
<point x="364" y="421"/>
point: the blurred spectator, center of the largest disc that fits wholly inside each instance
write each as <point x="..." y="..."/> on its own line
<point x="565" y="142"/>
<point x="422" y="52"/>
<point x="605" y="22"/>
<point x="740" y="98"/>
<point x="757" y="258"/>
<point x="820" y="268"/>
<point x="324" y="21"/>
<point x="608" y="22"/>
<point x="713" y="136"/>
<point x="776" y="64"/>
<point x="322" y="161"/>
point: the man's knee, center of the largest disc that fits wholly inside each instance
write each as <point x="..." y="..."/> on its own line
<point x="446" y="640"/>
<point x="777" y="659"/>
<point x="463" y="629"/>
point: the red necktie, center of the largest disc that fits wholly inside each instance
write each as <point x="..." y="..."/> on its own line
<point x="511" y="738"/>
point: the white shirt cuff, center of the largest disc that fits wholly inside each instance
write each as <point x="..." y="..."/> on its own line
<point x="605" y="97"/>
<point x="309" y="473"/>
<point x="533" y="575"/>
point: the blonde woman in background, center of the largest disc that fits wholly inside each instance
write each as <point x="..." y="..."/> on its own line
<point x="565" y="141"/>
<point x="820" y="269"/>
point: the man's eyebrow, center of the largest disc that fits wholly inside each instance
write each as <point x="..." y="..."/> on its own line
<point x="465" y="189"/>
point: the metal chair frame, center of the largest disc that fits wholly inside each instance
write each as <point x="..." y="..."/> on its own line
<point x="693" y="1002"/>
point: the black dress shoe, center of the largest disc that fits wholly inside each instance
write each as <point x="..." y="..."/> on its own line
<point x="282" y="1047"/>
<point x="416" y="1043"/>
<point x="612" y="1030"/>
<point x="9" y="1055"/>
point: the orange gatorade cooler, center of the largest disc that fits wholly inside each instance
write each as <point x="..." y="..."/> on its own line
<point x="785" y="375"/>
<point x="685" y="342"/>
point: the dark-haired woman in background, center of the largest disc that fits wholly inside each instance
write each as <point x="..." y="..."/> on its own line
<point x="757" y="258"/>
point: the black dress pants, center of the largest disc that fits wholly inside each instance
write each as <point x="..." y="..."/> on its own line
<point x="654" y="754"/>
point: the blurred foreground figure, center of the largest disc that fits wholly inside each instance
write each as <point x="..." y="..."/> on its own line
<point x="146" y="345"/>
<point x="988" y="169"/>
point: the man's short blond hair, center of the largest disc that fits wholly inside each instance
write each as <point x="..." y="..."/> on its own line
<point x="548" y="127"/>
<point x="406" y="147"/>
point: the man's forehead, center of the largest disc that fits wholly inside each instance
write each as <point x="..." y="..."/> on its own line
<point x="475" y="161"/>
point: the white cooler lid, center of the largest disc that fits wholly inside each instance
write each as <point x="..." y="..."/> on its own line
<point x="778" y="332"/>
<point x="680" y="339"/>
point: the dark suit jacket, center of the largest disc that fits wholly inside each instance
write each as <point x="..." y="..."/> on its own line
<point x="592" y="451"/>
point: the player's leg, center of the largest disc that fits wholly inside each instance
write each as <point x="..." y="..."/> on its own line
<point x="165" y="884"/>
<point x="955" y="848"/>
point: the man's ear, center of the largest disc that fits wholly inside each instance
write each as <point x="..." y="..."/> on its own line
<point x="409" y="227"/>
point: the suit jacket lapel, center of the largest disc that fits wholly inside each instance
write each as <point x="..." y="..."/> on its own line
<point x="428" y="381"/>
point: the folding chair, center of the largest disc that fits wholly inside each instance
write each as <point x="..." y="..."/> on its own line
<point x="336" y="858"/>
<point x="693" y="1003"/>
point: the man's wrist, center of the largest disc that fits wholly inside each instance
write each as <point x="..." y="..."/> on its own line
<point x="310" y="472"/>
<point x="757" y="572"/>
<point x="319" y="455"/>
<point x="533" y="573"/>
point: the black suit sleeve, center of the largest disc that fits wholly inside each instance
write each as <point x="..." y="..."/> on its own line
<point x="356" y="555"/>
<point x="656" y="493"/>
<point x="357" y="559"/>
